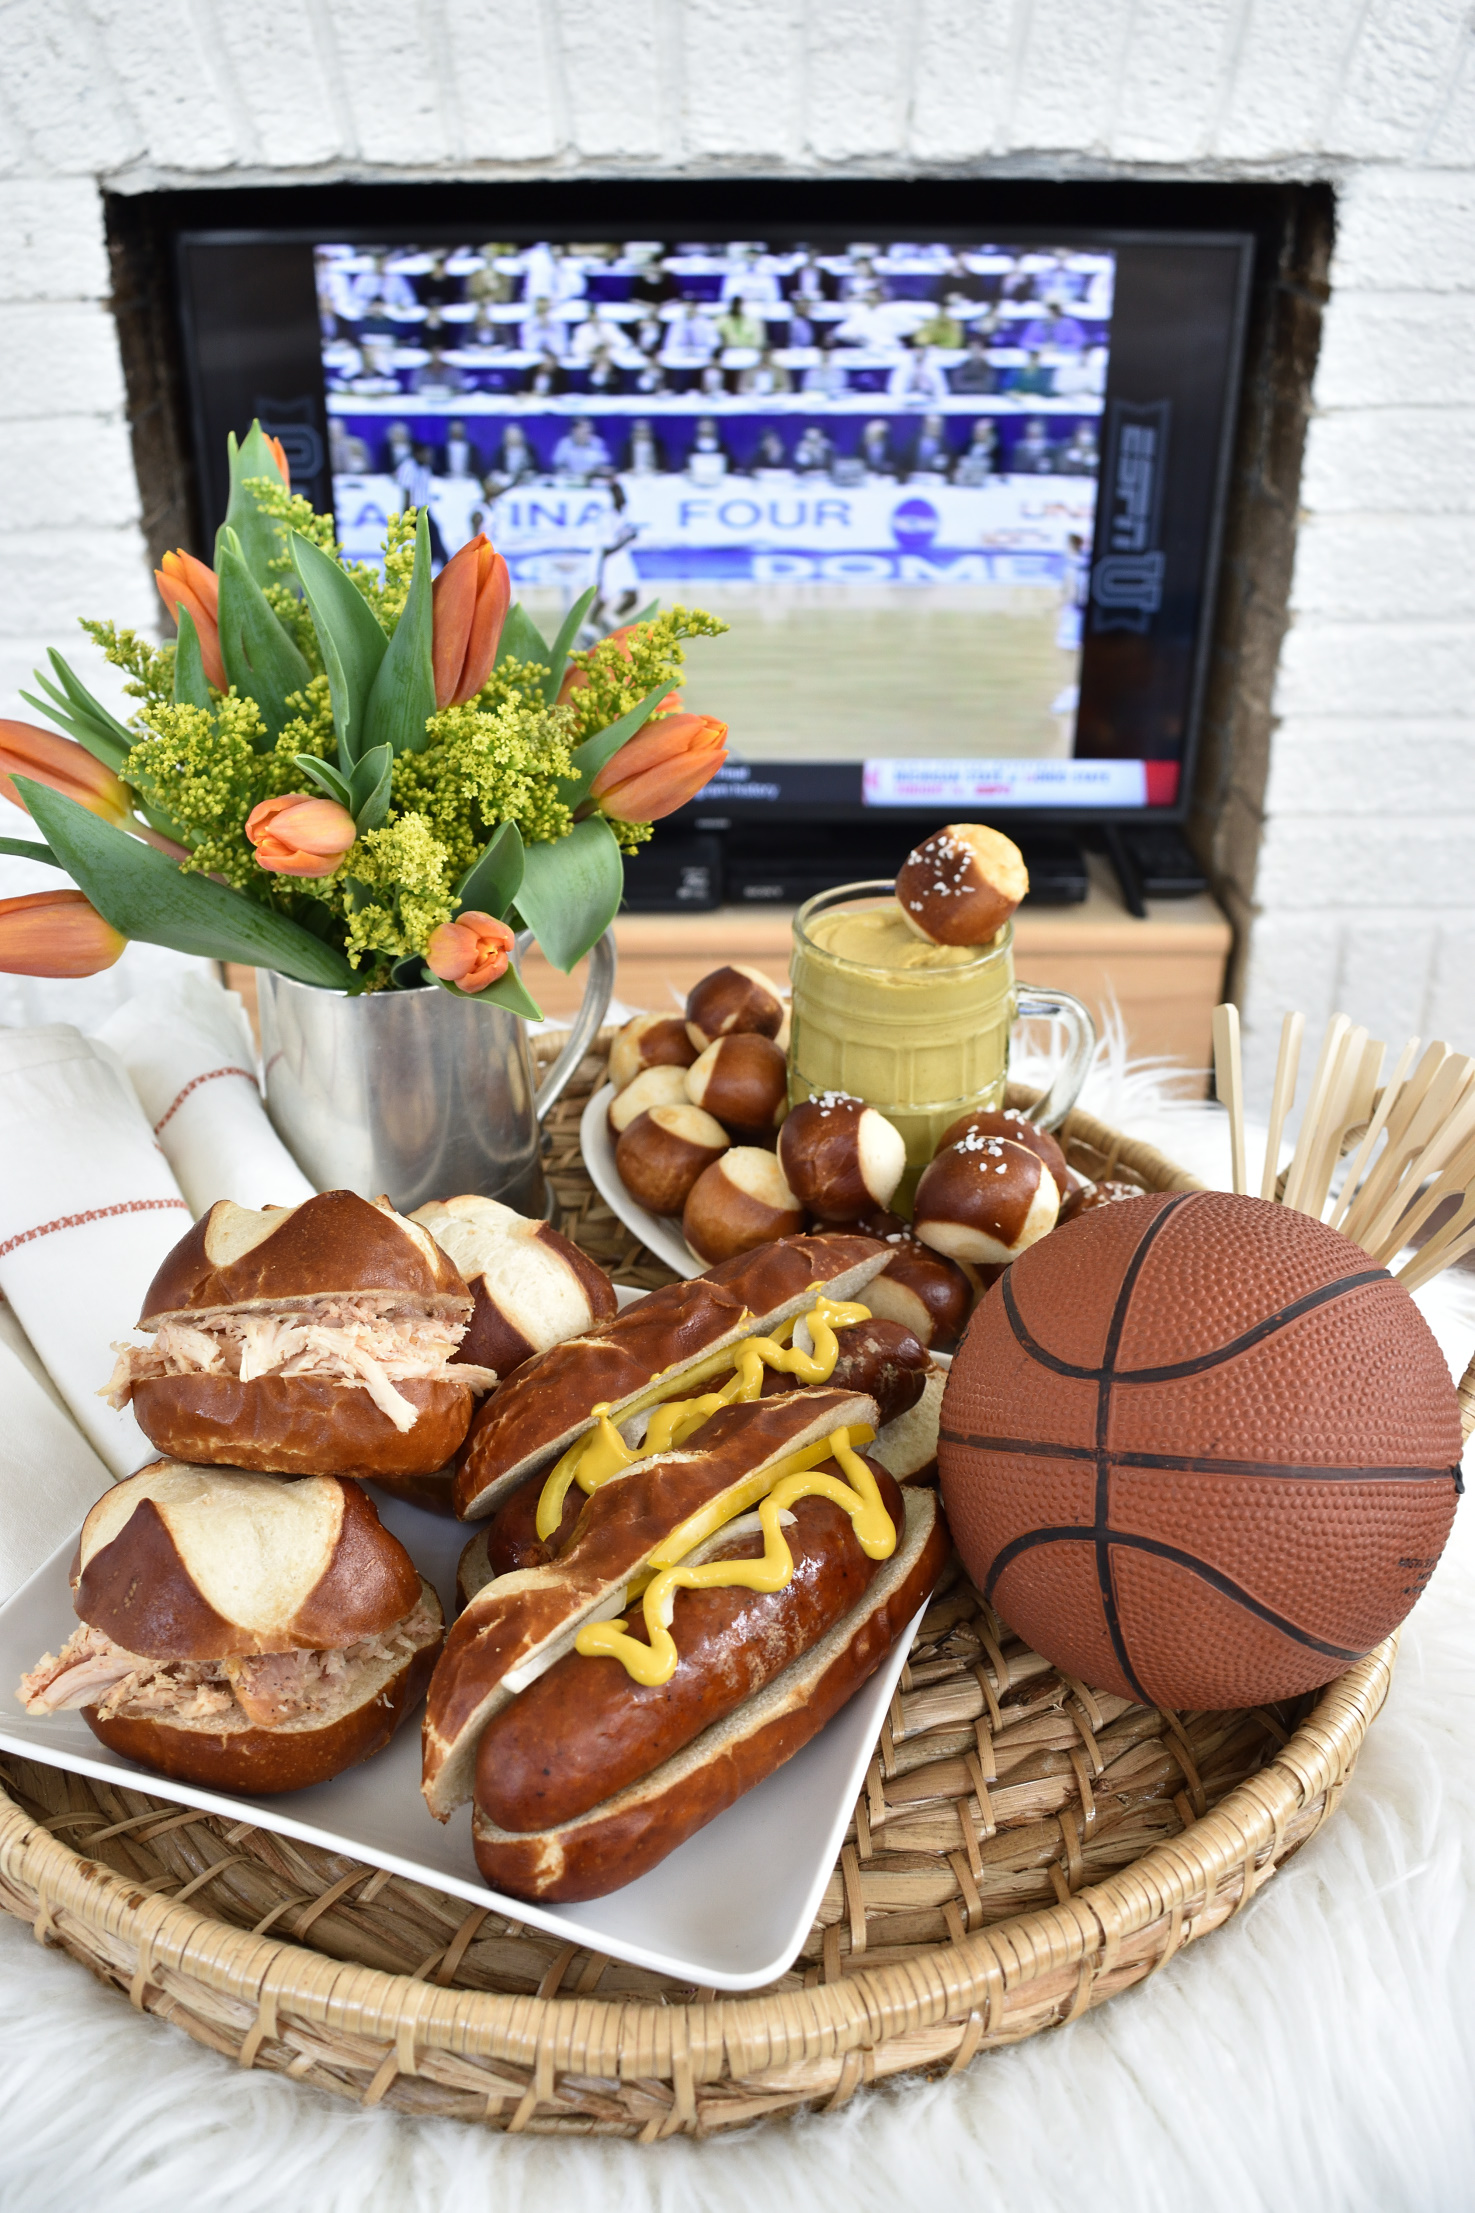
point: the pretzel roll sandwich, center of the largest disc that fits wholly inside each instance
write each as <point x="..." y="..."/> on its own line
<point x="734" y="998"/>
<point x="309" y="1340"/>
<point x="676" y="1340"/>
<point x="880" y="1359"/>
<point x="531" y="1286"/>
<point x="960" y="886"/>
<point x="240" y="1632"/>
<point x="649" y="1041"/>
<point x="744" y="1641"/>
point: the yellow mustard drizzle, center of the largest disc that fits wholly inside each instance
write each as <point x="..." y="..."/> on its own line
<point x="655" y="1663"/>
<point x="602" y="1452"/>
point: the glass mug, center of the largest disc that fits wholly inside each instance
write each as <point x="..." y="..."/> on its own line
<point x="922" y="1044"/>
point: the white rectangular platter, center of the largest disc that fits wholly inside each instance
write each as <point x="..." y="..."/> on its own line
<point x="728" y="1910"/>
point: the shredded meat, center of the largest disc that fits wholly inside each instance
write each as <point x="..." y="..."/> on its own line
<point x="354" y="1341"/>
<point x="265" y="1689"/>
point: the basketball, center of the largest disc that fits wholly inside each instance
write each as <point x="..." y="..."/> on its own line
<point x="1198" y="1450"/>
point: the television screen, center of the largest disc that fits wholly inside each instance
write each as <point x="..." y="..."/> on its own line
<point x="879" y="463"/>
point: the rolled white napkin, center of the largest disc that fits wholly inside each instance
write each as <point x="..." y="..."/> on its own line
<point x="190" y="1056"/>
<point x="88" y="1209"/>
<point x="49" y="1474"/>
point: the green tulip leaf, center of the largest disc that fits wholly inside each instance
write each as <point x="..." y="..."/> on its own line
<point x="260" y="537"/>
<point x="143" y="894"/>
<point x="353" y="645"/>
<point x="563" y="643"/>
<point x="590" y="757"/>
<point x="19" y="850"/>
<point x="403" y="696"/>
<point x="571" y="890"/>
<point x="260" y="659"/>
<point x="369" y="788"/>
<point x="521" y="639"/>
<point x="494" y="879"/>
<point x="191" y="688"/>
<point x="73" y="708"/>
<point x="325" y="776"/>
<point x="508" y="992"/>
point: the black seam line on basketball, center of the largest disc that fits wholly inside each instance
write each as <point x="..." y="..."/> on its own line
<point x="1105" y="1574"/>
<point x="1029" y="1448"/>
<point x="1270" y="1327"/>
<point x="1224" y="1584"/>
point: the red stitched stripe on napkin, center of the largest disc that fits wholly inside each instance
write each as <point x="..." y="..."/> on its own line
<point x="194" y="1085"/>
<point x="93" y="1214"/>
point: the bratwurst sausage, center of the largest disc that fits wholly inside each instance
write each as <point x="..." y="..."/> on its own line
<point x="586" y="1729"/>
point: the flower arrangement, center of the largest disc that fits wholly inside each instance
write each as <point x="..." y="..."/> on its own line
<point x="365" y="782"/>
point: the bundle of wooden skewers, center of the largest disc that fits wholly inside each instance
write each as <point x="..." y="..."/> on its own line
<point x="1411" y="1138"/>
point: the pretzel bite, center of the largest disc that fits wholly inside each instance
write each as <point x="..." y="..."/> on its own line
<point x="927" y="1293"/>
<point x="241" y="1632"/>
<point x="1088" y="1195"/>
<point x="307" y="1340"/>
<point x="741" y="1201"/>
<point x="649" y="1041"/>
<point x="663" y="1151"/>
<point x="1009" y="1122"/>
<point x="661" y="1086"/>
<point x="960" y="886"/>
<point x="532" y="1286"/>
<point x="842" y="1159"/>
<point x="733" y="998"/>
<point x="985" y="1200"/>
<point x="744" y="1080"/>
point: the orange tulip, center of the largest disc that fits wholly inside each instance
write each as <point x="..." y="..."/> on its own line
<point x="470" y="952"/>
<point x="297" y="835"/>
<point x="470" y="599"/>
<point x="26" y="750"/>
<point x="660" y="768"/>
<point x="577" y="678"/>
<point x="185" y="582"/>
<point x="279" y="455"/>
<point x="55" y="933"/>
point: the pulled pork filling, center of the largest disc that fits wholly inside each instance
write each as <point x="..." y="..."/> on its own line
<point x="359" y="1341"/>
<point x="265" y="1689"/>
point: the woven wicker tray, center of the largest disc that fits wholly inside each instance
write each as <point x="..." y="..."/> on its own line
<point x="1024" y="1849"/>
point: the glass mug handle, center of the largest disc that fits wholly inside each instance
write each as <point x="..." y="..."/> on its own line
<point x="1080" y="1030"/>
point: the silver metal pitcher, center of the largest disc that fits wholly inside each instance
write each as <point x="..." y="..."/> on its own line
<point x="417" y="1094"/>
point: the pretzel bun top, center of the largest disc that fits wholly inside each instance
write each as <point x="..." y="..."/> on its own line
<point x="336" y="1245"/>
<point x="187" y="1563"/>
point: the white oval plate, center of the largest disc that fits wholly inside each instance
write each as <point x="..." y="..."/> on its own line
<point x="663" y="1236"/>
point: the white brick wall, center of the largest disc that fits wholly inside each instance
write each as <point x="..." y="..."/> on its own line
<point x="1366" y="895"/>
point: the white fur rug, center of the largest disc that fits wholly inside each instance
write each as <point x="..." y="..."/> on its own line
<point x="1315" y="2056"/>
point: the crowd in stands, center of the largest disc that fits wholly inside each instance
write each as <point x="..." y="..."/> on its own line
<point x="654" y="323"/>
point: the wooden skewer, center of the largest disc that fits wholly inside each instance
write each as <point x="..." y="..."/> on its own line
<point x="1375" y="1128"/>
<point x="1229" y="1082"/>
<point x="1429" y="1263"/>
<point x="1386" y="1170"/>
<point x="1287" y="1065"/>
<point x="1308" y="1137"/>
<point x="1456" y="1181"/>
<point x="1388" y="1234"/>
<point x="1344" y="1093"/>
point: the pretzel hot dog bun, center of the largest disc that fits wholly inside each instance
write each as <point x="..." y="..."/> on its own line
<point x="308" y="1340"/>
<point x="732" y="1720"/>
<point x="240" y="1631"/>
<point x="515" y="1623"/>
<point x="657" y="1346"/>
